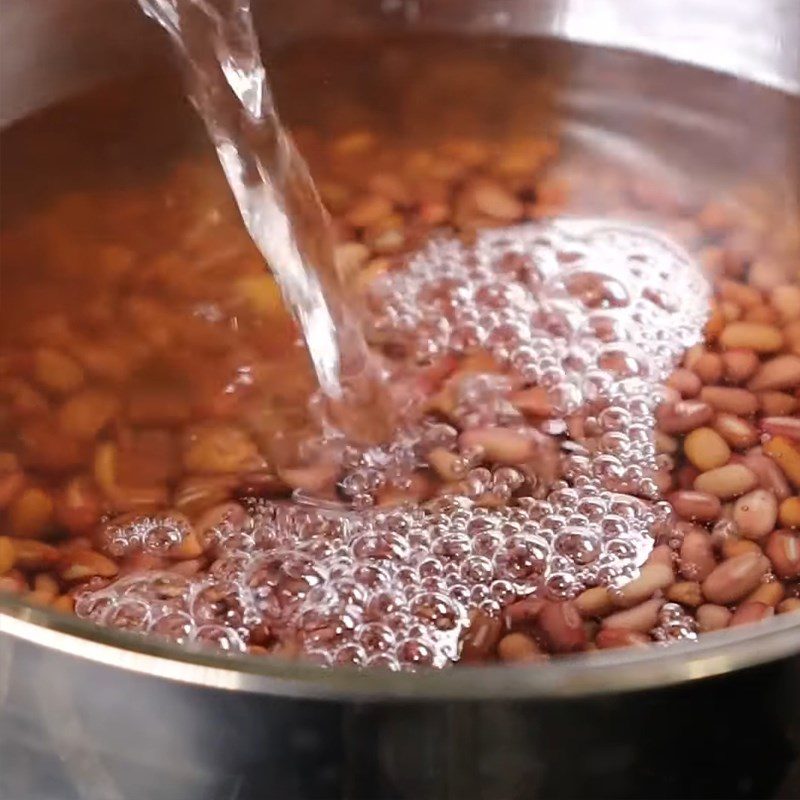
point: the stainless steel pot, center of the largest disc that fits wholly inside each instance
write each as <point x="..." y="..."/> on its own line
<point x="100" y="715"/>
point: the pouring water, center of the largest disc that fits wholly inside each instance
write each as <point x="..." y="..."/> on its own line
<point x="276" y="197"/>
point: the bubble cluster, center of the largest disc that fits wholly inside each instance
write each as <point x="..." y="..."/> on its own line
<point x="596" y="316"/>
<point x="154" y="534"/>
<point x="674" y="624"/>
<point x="577" y="307"/>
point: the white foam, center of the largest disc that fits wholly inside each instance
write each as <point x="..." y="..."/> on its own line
<point x="599" y="315"/>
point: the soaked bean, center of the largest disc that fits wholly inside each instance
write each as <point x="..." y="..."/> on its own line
<point x="7" y="554"/>
<point x="84" y="564"/>
<point x="533" y="402"/>
<point x="735" y="578"/>
<point x="756" y="336"/>
<point x="481" y="639"/>
<point x="706" y="449"/>
<point x="769" y="474"/>
<point x="726" y="482"/>
<point x="495" y="201"/>
<point x="711" y="617"/>
<point x="499" y="444"/>
<point x="781" y="372"/>
<point x="755" y="513"/>
<point x="734" y="546"/>
<point x="31" y="513"/>
<point x="519" y="648"/>
<point x="684" y="416"/>
<point x="740" y="402"/>
<point x="769" y="594"/>
<point x="595" y="602"/>
<point x="78" y="506"/>
<point x="740" y="365"/>
<point x="368" y="210"/>
<point x="708" y="367"/>
<point x="524" y="614"/>
<point x="739" y="293"/>
<point x="785" y="300"/>
<point x="611" y="638"/>
<point x="687" y="593"/>
<point x="786" y="456"/>
<point x="783" y="550"/>
<point x="562" y="628"/>
<point x="789" y="512"/>
<point x="686" y="382"/>
<point x="788" y="427"/>
<point x="750" y="612"/>
<point x="789" y="605"/>
<point x="219" y="448"/>
<point x="641" y="618"/>
<point x="737" y="432"/>
<point x="449" y="466"/>
<point x="652" y="578"/>
<point x="776" y="404"/>
<point x="85" y="414"/>
<point x="697" y="559"/>
<point x="30" y="554"/>
<point x="57" y="372"/>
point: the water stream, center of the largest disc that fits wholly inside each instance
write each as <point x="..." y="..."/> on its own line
<point x="271" y="184"/>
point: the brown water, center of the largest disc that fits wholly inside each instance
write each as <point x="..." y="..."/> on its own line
<point x="152" y="374"/>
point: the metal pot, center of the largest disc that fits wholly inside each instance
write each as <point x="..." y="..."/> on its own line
<point x="93" y="714"/>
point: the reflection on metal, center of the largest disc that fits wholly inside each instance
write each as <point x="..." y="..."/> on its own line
<point x="602" y="673"/>
<point x="753" y="40"/>
<point x="766" y="52"/>
<point x="168" y="722"/>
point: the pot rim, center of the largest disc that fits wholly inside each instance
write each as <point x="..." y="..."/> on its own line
<point x="624" y="670"/>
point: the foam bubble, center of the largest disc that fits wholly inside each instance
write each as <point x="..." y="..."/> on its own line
<point x="597" y="315"/>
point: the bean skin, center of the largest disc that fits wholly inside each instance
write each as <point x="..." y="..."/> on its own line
<point x="734" y="578"/>
<point x="755" y="513"/>
<point x="726" y="482"/>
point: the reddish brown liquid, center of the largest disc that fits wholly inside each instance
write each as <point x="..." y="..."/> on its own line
<point x="147" y="361"/>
